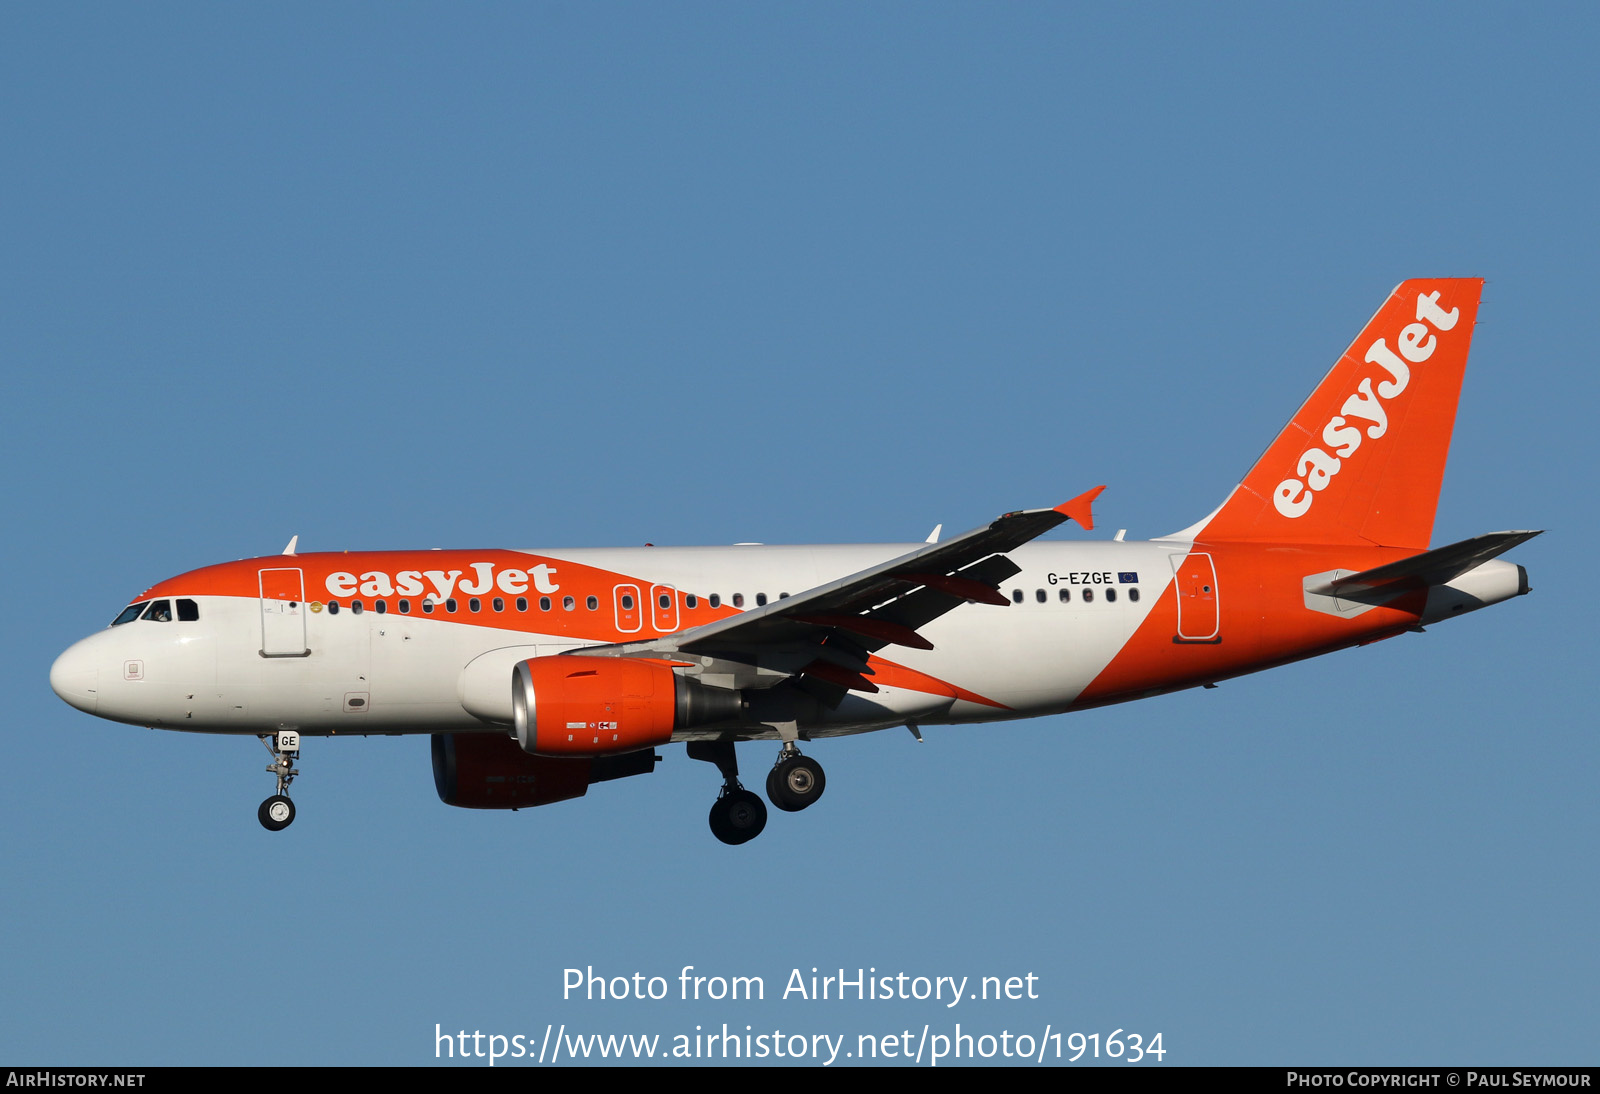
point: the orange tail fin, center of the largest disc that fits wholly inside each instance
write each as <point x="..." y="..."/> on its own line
<point x="1362" y="460"/>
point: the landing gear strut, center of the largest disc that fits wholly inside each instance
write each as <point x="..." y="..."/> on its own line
<point x="277" y="812"/>
<point x="795" y="781"/>
<point x="737" y="816"/>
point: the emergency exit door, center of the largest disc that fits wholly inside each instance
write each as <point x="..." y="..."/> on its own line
<point x="1195" y="582"/>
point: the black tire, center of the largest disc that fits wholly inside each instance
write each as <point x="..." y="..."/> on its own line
<point x="276" y="813"/>
<point x="719" y="824"/>
<point x="738" y="817"/>
<point x="796" y="783"/>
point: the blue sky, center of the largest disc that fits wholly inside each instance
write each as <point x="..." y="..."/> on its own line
<point x="539" y="275"/>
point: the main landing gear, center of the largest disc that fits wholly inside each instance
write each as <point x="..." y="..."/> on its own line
<point x="738" y="816"/>
<point x="277" y="812"/>
<point x="795" y="781"/>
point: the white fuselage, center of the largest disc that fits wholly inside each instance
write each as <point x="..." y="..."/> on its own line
<point x="391" y="673"/>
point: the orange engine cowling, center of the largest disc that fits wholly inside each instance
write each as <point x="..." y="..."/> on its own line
<point x="572" y="705"/>
<point x="489" y="771"/>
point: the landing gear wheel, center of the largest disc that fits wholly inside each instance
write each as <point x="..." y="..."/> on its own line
<point x="795" y="782"/>
<point x="276" y="813"/>
<point x="738" y="816"/>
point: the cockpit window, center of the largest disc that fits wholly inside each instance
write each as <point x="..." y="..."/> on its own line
<point x="188" y="611"/>
<point x="160" y="611"/>
<point x="130" y="613"/>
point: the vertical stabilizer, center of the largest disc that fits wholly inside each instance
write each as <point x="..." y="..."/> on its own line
<point x="1362" y="460"/>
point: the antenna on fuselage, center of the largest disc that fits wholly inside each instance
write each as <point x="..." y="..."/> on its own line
<point x="294" y="539"/>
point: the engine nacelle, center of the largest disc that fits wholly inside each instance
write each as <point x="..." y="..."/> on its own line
<point x="489" y="771"/>
<point x="572" y="705"/>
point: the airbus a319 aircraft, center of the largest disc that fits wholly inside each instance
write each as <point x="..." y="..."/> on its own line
<point x="540" y="673"/>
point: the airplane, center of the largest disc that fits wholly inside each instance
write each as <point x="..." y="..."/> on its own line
<point x="540" y="673"/>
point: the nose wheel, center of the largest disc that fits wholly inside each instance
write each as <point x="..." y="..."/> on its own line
<point x="277" y="812"/>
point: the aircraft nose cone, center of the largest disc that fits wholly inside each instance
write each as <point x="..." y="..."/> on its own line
<point x="75" y="678"/>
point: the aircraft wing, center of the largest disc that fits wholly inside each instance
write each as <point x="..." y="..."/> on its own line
<point x="827" y="632"/>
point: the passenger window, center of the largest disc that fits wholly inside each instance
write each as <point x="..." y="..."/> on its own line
<point x="1111" y="596"/>
<point x="691" y="601"/>
<point x="761" y="600"/>
<point x="783" y="596"/>
<point x="159" y="611"/>
<point x="1039" y="595"/>
<point x="1066" y="595"/>
<point x="499" y="604"/>
<point x="716" y="600"/>
<point x="592" y="603"/>
<point x="738" y="600"/>
<point x="544" y="603"/>
<point x="405" y="607"/>
<point x="427" y="605"/>
<point x="450" y="605"/>
<point x="355" y="606"/>
<point x="1088" y="596"/>
<point x="522" y="603"/>
<point x="568" y="604"/>
<point x="380" y="606"/>
<point x="627" y="602"/>
<point x="129" y="614"/>
<point x="188" y="611"/>
<point x="1133" y="595"/>
<point x="474" y="604"/>
<point x="1016" y="596"/>
<point x="333" y="607"/>
<point x="666" y="601"/>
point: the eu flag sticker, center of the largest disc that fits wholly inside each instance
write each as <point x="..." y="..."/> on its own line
<point x="1127" y="578"/>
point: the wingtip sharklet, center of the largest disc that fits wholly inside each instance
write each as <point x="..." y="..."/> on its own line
<point x="1080" y="508"/>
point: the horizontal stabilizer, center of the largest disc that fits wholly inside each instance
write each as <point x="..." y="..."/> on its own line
<point x="1437" y="567"/>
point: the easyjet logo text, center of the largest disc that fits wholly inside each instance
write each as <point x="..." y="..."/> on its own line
<point x="1316" y="467"/>
<point x="445" y="583"/>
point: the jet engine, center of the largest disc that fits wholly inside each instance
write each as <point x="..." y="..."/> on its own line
<point x="572" y="705"/>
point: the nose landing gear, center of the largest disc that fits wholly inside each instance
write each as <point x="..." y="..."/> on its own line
<point x="277" y="812"/>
